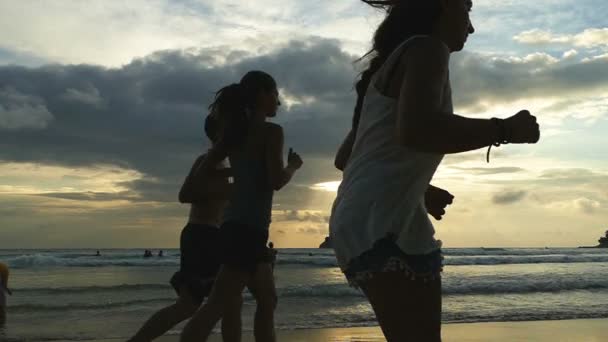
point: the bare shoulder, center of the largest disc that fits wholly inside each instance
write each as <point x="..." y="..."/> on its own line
<point x="422" y="54"/>
<point x="273" y="130"/>
<point x="199" y="160"/>
<point x="272" y="126"/>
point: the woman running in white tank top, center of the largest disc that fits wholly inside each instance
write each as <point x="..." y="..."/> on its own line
<point x="403" y="125"/>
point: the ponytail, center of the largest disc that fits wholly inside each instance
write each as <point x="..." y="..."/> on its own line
<point x="233" y="106"/>
<point x="229" y="110"/>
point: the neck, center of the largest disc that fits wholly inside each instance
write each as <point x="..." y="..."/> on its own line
<point x="439" y="34"/>
<point x="258" y="117"/>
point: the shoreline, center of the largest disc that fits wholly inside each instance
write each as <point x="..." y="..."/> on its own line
<point x="588" y="330"/>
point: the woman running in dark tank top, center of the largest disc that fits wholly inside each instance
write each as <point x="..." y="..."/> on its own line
<point x="254" y="148"/>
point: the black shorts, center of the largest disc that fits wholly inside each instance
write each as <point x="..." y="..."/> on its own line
<point x="199" y="261"/>
<point x="243" y="246"/>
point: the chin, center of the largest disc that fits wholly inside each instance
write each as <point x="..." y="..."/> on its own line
<point x="459" y="47"/>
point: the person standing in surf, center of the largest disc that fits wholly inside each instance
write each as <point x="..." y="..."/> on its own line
<point x="403" y="124"/>
<point x="255" y="151"/>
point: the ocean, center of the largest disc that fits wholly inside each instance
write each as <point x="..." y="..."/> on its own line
<point x="73" y="295"/>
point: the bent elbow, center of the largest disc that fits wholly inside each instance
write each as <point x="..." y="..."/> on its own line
<point x="339" y="164"/>
<point x="183" y="198"/>
<point x="276" y="180"/>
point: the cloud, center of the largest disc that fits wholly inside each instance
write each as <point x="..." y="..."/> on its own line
<point x="128" y="86"/>
<point x="589" y="38"/>
<point x="301" y="216"/>
<point x="491" y="170"/>
<point x="569" y="54"/>
<point x="586" y="205"/>
<point x="112" y="34"/>
<point x="573" y="177"/>
<point x="88" y="96"/>
<point x="508" y="197"/>
<point x="90" y="196"/>
<point x="147" y="116"/>
<point x="42" y="179"/>
<point x="488" y="83"/>
<point x="472" y="156"/>
<point x="9" y="56"/>
<point x="574" y="205"/>
<point x="22" y="111"/>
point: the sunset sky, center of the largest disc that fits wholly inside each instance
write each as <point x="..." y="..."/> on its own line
<point x="102" y="104"/>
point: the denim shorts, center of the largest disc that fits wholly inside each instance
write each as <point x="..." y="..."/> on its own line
<point x="386" y="256"/>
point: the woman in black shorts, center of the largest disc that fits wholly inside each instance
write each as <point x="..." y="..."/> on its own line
<point x="199" y="261"/>
<point x="255" y="150"/>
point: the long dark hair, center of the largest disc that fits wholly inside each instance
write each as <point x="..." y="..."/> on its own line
<point x="212" y="128"/>
<point x="404" y="19"/>
<point x="233" y="105"/>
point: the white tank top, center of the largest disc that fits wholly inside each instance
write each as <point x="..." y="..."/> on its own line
<point x="384" y="182"/>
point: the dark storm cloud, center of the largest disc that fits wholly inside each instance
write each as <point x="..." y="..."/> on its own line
<point x="148" y="115"/>
<point x="481" y="81"/>
<point x="8" y="56"/>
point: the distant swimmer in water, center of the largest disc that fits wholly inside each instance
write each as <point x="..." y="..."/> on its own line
<point x="147" y="253"/>
<point x="160" y="253"/>
<point x="98" y="254"/>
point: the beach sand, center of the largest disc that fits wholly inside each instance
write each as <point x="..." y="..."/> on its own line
<point x="585" y="330"/>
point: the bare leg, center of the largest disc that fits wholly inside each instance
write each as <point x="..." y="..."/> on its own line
<point x="407" y="310"/>
<point x="225" y="296"/>
<point x="263" y="288"/>
<point x="2" y="323"/>
<point x="231" y="323"/>
<point x="2" y="316"/>
<point x="166" y="318"/>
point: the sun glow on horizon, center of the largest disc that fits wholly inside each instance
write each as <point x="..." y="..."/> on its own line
<point x="327" y="186"/>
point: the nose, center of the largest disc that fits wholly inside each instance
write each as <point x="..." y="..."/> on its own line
<point x="471" y="28"/>
<point x="279" y="103"/>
